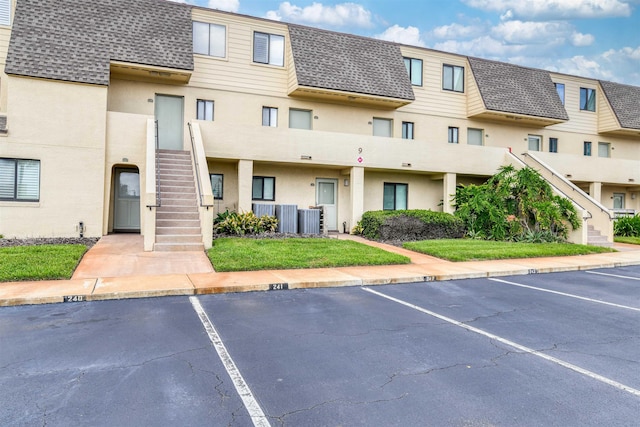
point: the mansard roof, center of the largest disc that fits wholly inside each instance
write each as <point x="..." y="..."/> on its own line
<point x="75" y="40"/>
<point x="348" y="63"/>
<point x="625" y="102"/>
<point x="515" y="89"/>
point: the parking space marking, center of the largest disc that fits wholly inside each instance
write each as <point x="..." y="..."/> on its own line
<point x="613" y="275"/>
<point x="252" y="405"/>
<point x="626" y="307"/>
<point x="513" y="344"/>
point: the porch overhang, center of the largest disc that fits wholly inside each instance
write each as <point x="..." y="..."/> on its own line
<point x="515" y="118"/>
<point x="149" y="73"/>
<point x="348" y="98"/>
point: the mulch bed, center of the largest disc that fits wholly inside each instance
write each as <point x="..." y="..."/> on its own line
<point x="87" y="241"/>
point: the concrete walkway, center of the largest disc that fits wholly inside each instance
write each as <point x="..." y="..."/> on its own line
<point x="117" y="267"/>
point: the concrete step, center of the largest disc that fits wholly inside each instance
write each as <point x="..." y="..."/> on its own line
<point x="188" y="195"/>
<point x="169" y="178"/>
<point x="180" y="223"/>
<point x="179" y="238"/>
<point x="173" y="203"/>
<point x="178" y="247"/>
<point x="177" y="230"/>
<point x="176" y="187"/>
<point x="191" y="214"/>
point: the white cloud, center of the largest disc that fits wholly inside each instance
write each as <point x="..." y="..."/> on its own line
<point x="457" y="31"/>
<point x="579" y="39"/>
<point x="518" y="32"/>
<point x="340" y="15"/>
<point x="409" y="35"/>
<point x="485" y="47"/>
<point x="554" y="9"/>
<point x="226" y="5"/>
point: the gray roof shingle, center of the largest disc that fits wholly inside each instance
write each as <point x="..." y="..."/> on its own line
<point x="344" y="62"/>
<point x="74" y="40"/>
<point x="519" y="90"/>
<point x="625" y="101"/>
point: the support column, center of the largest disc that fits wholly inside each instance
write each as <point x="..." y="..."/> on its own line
<point x="356" y="178"/>
<point x="245" y="185"/>
<point x="449" y="190"/>
<point x="595" y="191"/>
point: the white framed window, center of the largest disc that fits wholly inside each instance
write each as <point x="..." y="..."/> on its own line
<point x="268" y="49"/>
<point x="618" y="200"/>
<point x="217" y="185"/>
<point x="453" y="78"/>
<point x="475" y="136"/>
<point x="299" y="119"/>
<point x="382" y="127"/>
<point x="535" y="143"/>
<point x="204" y="110"/>
<point x="560" y="90"/>
<point x="604" y="149"/>
<point x="20" y="180"/>
<point x="407" y="130"/>
<point x="264" y="188"/>
<point x="209" y="39"/>
<point x="414" y="68"/>
<point x="395" y="196"/>
<point x="269" y="116"/>
<point x="5" y="12"/>
<point x="587" y="99"/>
<point x="453" y="135"/>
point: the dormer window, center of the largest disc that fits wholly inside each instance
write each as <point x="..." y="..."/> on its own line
<point x="268" y="49"/>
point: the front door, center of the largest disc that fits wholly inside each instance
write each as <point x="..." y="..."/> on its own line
<point x="618" y="200"/>
<point x="127" y="200"/>
<point x="169" y="115"/>
<point x="327" y="196"/>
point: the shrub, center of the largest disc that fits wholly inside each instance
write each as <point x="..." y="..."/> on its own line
<point x="408" y="225"/>
<point x="628" y="226"/>
<point x="239" y="224"/>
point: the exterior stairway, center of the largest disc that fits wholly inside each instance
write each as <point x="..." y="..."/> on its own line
<point x="178" y="218"/>
<point x="595" y="238"/>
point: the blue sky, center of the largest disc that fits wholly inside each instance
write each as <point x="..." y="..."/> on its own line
<point x="591" y="38"/>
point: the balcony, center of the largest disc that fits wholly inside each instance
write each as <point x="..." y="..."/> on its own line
<point x="581" y="168"/>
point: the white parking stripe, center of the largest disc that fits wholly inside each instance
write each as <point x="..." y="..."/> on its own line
<point x="613" y="275"/>
<point x="254" y="409"/>
<point x="626" y="307"/>
<point x="515" y="345"/>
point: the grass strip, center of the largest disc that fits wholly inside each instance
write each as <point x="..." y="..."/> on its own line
<point x="238" y="254"/>
<point x="630" y="240"/>
<point x="40" y="262"/>
<point x="475" y="250"/>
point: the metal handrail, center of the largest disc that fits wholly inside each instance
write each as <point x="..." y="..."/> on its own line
<point x="158" y="195"/>
<point x="571" y="185"/>
<point x="197" y="167"/>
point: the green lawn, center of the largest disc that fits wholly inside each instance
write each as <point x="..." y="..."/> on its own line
<point x="472" y="250"/>
<point x="631" y="240"/>
<point x="40" y="262"/>
<point x="235" y="254"/>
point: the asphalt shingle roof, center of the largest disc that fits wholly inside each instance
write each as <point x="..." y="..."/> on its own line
<point x="519" y="90"/>
<point x="344" y="62"/>
<point x="74" y="40"/>
<point x="625" y="101"/>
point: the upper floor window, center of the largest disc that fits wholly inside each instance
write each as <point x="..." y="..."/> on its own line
<point x="269" y="116"/>
<point x="217" y="180"/>
<point x="587" y="99"/>
<point x="454" y="135"/>
<point x="395" y="196"/>
<point x="553" y="145"/>
<point x="453" y="78"/>
<point x="407" y="130"/>
<point x="414" y="68"/>
<point x="268" y="49"/>
<point x="299" y="119"/>
<point x="560" y="90"/>
<point x="535" y="142"/>
<point x="20" y="180"/>
<point x="586" y="148"/>
<point x="604" y="149"/>
<point x="382" y="127"/>
<point x="5" y="12"/>
<point x="209" y="39"/>
<point x="474" y="136"/>
<point x="204" y="110"/>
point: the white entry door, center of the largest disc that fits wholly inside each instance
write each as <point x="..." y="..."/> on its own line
<point x="327" y="196"/>
<point x="169" y="115"/>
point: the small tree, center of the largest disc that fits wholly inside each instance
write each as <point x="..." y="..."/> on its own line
<point x="517" y="205"/>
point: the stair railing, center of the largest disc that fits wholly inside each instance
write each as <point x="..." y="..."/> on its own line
<point x="194" y="152"/>
<point x="157" y="167"/>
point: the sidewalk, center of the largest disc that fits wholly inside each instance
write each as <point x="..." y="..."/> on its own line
<point x="117" y="267"/>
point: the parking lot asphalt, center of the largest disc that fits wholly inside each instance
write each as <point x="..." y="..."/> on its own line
<point x="546" y="349"/>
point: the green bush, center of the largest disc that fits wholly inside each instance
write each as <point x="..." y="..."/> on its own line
<point x="628" y="226"/>
<point x="408" y="225"/>
<point x="239" y="224"/>
<point x="515" y="205"/>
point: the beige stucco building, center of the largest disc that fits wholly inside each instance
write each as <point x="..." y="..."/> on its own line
<point x="274" y="113"/>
